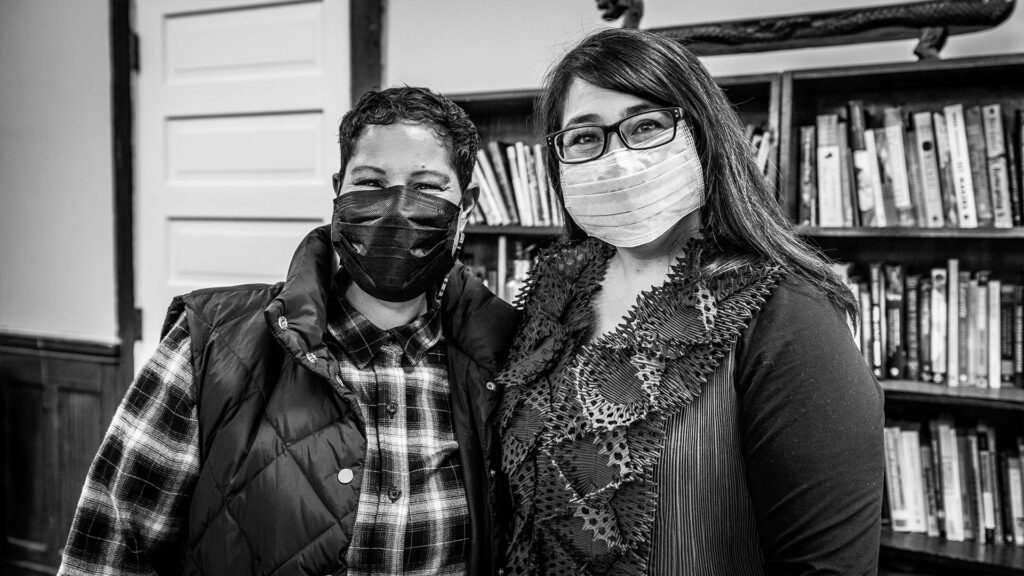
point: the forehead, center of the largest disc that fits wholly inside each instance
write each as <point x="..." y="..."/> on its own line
<point x="401" y="142"/>
<point x="589" y="103"/>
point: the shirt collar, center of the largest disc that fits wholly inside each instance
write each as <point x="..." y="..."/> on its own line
<point x="361" y="340"/>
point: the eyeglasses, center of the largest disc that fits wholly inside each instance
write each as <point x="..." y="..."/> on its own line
<point x="648" y="129"/>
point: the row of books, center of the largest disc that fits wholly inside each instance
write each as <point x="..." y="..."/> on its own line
<point x="957" y="167"/>
<point x="959" y="483"/>
<point x="515" y="189"/>
<point x="949" y="326"/>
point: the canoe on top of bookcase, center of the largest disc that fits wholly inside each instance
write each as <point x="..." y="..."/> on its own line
<point x="930" y="22"/>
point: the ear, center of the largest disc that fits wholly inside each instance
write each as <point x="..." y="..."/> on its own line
<point x="336" y="183"/>
<point x="469" y="199"/>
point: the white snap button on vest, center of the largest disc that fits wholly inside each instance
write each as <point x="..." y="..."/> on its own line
<point x="311" y="357"/>
<point x="282" y="322"/>
<point x="491" y="386"/>
<point x="345" y="475"/>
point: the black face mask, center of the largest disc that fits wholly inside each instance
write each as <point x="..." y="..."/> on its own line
<point x="395" y="243"/>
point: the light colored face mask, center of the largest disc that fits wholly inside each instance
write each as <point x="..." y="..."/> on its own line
<point x="628" y="198"/>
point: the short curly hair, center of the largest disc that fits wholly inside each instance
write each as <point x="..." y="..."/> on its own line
<point x="419" y="105"/>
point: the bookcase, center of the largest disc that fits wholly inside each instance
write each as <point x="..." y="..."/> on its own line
<point x="784" y="103"/>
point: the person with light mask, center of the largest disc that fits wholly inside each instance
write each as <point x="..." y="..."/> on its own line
<point x="336" y="422"/>
<point x="684" y="395"/>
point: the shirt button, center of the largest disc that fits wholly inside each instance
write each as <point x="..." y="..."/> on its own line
<point x="392" y="408"/>
<point x="491" y="386"/>
<point x="311" y="357"/>
<point x="345" y="475"/>
<point x="282" y="322"/>
<point x="394" y="494"/>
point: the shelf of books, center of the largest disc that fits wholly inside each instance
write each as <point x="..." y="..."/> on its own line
<point x="909" y="175"/>
<point x="517" y="209"/>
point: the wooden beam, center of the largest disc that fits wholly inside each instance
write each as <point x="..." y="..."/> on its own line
<point x="123" y="63"/>
<point x="366" y="33"/>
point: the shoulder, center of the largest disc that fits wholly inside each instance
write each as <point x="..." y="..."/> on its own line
<point x="478" y="322"/>
<point x="800" y="339"/>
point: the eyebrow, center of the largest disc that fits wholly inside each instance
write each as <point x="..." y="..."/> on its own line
<point x="593" y="118"/>
<point x="434" y="173"/>
<point x="364" y="167"/>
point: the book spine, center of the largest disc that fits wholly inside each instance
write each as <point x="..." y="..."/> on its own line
<point x="950" y="470"/>
<point x="994" y="331"/>
<point x="877" y="303"/>
<point x="1012" y="162"/>
<point x="808" y="177"/>
<point x="1006" y="367"/>
<point x="898" y="512"/>
<point x="492" y="184"/>
<point x="987" y="512"/>
<point x="861" y="165"/>
<point x="979" y="321"/>
<point x="1015" y="483"/>
<point x="883" y="213"/>
<point x="924" y="329"/>
<point x="978" y="165"/>
<point x="931" y="500"/>
<point x="952" y="326"/>
<point x="950" y="201"/>
<point x="974" y="483"/>
<point x="928" y="167"/>
<point x="959" y="160"/>
<point x="830" y="202"/>
<point x="846" y="183"/>
<point x="998" y="170"/>
<point x="913" y="480"/>
<point x="895" y="350"/>
<point x="933" y="441"/>
<point x="1018" y="336"/>
<point x="964" y="330"/>
<point x="940" y="322"/>
<point x="537" y="157"/>
<point x="498" y="159"/>
<point x="912" y="285"/>
<point x="896" y="166"/>
<point x="866" y="336"/>
<point x="966" y="484"/>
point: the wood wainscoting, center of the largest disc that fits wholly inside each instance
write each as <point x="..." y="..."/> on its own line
<point x="56" y="400"/>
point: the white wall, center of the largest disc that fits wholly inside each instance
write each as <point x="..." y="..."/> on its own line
<point x="480" y="45"/>
<point x="56" y="191"/>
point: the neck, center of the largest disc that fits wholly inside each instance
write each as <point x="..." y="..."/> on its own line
<point x="661" y="253"/>
<point x="381" y="313"/>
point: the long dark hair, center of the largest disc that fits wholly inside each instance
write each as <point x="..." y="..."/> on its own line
<point x="740" y="212"/>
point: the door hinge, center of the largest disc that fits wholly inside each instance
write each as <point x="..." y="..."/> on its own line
<point x="135" y="58"/>
<point x="138" y="324"/>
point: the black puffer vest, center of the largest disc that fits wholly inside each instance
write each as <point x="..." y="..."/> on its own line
<point x="275" y="434"/>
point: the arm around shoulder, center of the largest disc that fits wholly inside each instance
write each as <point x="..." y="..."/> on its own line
<point x="133" y="504"/>
<point x="811" y="419"/>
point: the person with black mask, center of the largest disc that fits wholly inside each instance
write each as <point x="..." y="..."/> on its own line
<point x="334" y="423"/>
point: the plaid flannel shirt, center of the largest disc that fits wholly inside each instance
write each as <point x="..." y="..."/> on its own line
<point x="412" y="518"/>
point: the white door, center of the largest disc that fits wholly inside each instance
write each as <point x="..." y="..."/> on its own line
<point x="237" y="114"/>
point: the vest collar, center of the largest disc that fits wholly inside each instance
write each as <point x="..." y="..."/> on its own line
<point x="298" y="315"/>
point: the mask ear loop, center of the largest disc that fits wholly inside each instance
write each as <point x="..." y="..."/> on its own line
<point x="460" y="227"/>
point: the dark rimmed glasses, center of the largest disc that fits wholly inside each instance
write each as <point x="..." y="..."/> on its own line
<point x="641" y="131"/>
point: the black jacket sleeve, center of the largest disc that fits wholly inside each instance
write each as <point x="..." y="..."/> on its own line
<point x="811" y="422"/>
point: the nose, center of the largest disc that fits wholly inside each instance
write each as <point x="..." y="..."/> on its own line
<point x="614" y="142"/>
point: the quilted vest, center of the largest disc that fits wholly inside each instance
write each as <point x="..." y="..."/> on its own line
<point x="275" y="434"/>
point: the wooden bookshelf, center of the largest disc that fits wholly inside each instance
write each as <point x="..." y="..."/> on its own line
<point x="953" y="557"/>
<point x="1011" y="399"/>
